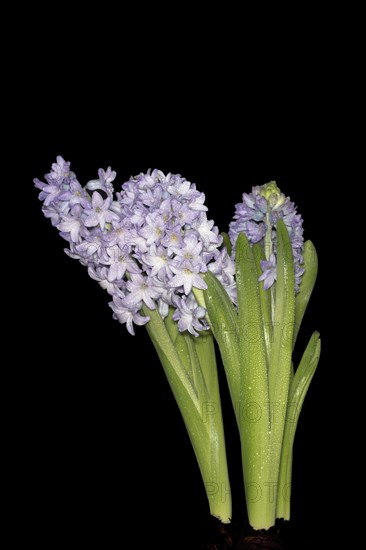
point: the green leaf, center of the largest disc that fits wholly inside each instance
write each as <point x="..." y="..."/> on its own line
<point x="227" y="242"/>
<point x="280" y="372"/>
<point x="179" y="343"/>
<point x="298" y="390"/>
<point x="195" y="364"/>
<point x="222" y="319"/>
<point x="254" y="419"/>
<point x="171" y="325"/>
<point x="250" y="322"/>
<point x="265" y="300"/>
<point x="284" y="318"/>
<point x="203" y="422"/>
<point x="304" y="374"/>
<point x="307" y="284"/>
<point x="173" y="366"/>
<point x="205" y="349"/>
<point x="185" y="346"/>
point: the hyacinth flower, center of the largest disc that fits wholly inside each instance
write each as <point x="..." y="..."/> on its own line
<point x="149" y="246"/>
<point x="255" y="321"/>
<point x="166" y="267"/>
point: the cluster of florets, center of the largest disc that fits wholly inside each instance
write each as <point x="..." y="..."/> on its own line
<point x="257" y="217"/>
<point x="150" y="244"/>
<point x="147" y="245"/>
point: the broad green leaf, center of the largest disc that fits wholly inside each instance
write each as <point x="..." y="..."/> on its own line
<point x="179" y="343"/>
<point x="298" y="390"/>
<point x="184" y="345"/>
<point x="280" y="372"/>
<point x="205" y="430"/>
<point x="283" y="318"/>
<point x="174" y="368"/>
<point x="307" y="284"/>
<point x="222" y="318"/>
<point x="227" y="242"/>
<point x="265" y="300"/>
<point x="195" y="365"/>
<point x="254" y="419"/>
<point x="205" y="349"/>
<point x="250" y="322"/>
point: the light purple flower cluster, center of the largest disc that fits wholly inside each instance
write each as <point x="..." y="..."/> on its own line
<point x="257" y="217"/>
<point x="148" y="244"/>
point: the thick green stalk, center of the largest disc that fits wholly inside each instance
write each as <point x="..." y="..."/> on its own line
<point x="192" y="376"/>
<point x="298" y="389"/>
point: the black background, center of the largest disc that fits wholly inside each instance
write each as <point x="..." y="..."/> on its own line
<point x="103" y="454"/>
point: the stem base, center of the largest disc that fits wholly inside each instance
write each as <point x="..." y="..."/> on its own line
<point x="217" y="535"/>
<point x="262" y="539"/>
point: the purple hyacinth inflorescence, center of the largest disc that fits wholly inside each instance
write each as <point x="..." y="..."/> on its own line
<point x="257" y="216"/>
<point x="148" y="244"/>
